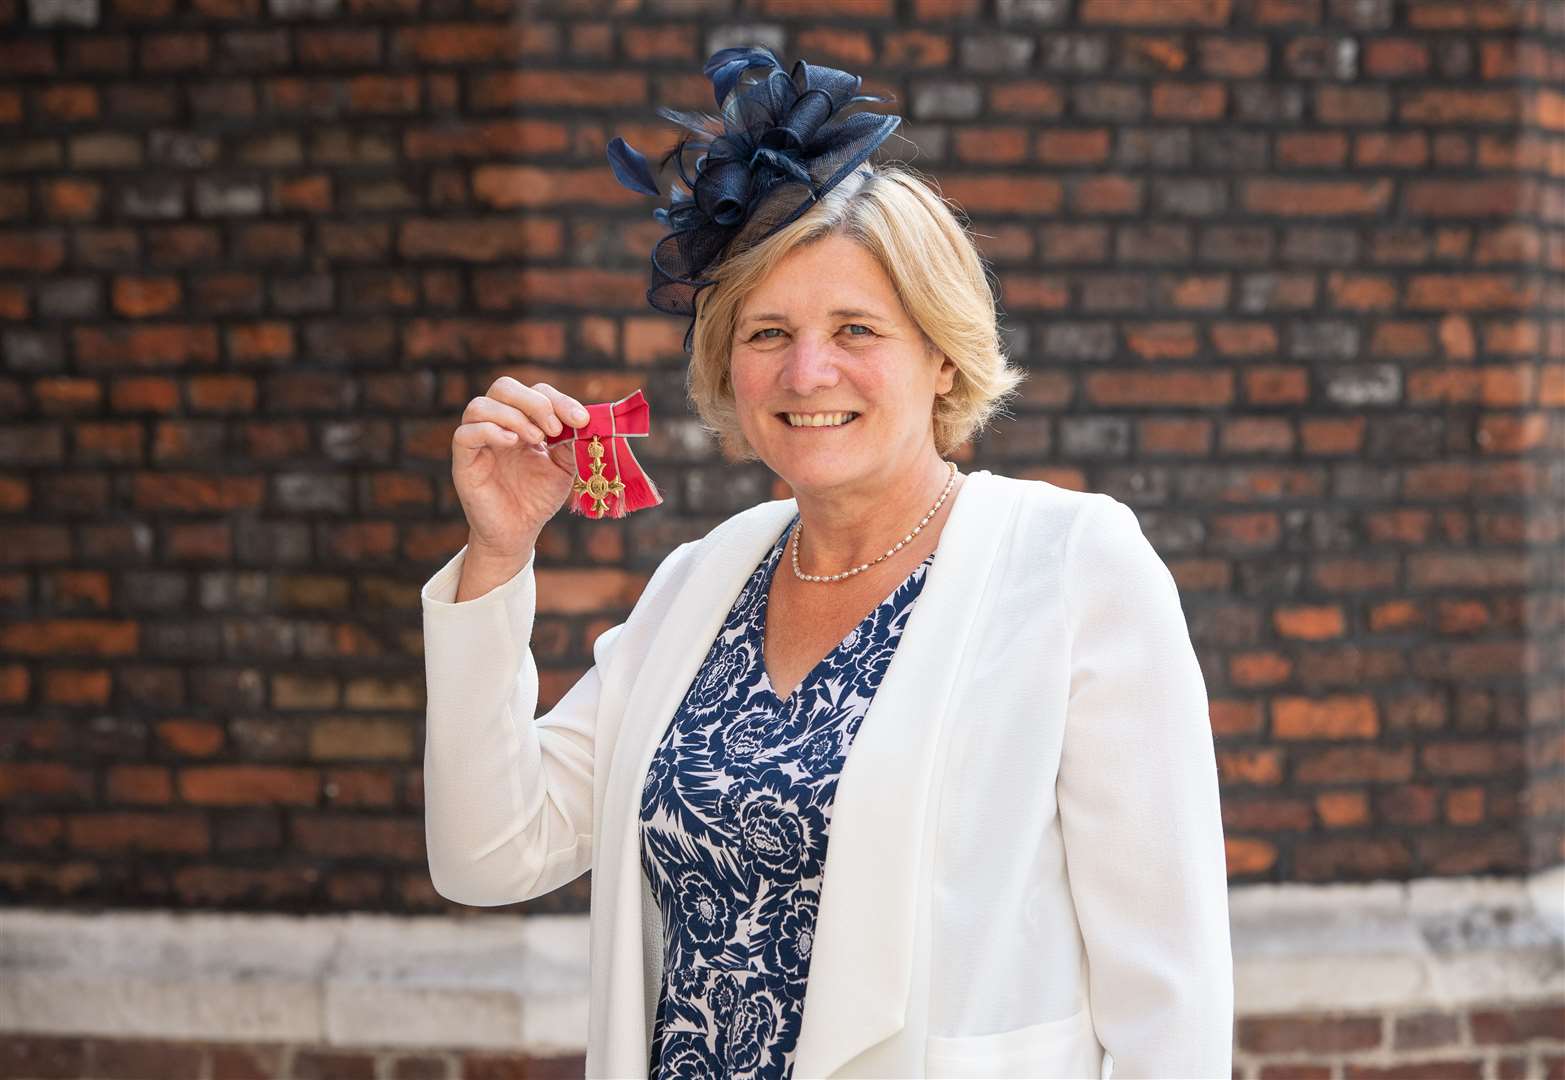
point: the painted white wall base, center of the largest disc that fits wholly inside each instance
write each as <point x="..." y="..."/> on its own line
<point x="1440" y="943"/>
<point x="501" y="982"/>
<point x="520" y="983"/>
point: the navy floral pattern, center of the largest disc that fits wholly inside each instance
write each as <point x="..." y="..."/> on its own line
<point x="734" y="818"/>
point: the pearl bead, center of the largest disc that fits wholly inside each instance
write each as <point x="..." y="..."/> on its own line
<point x="802" y="576"/>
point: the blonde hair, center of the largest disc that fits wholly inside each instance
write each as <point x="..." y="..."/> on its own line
<point x="939" y="277"/>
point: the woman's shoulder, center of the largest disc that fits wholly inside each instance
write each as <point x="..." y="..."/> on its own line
<point x="1051" y="510"/>
<point x="1091" y="537"/>
<point x="752" y="525"/>
<point x="765" y="519"/>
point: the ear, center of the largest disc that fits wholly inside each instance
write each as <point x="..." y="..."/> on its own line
<point x="945" y="379"/>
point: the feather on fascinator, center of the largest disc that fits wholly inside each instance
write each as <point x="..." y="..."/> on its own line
<point x="781" y="142"/>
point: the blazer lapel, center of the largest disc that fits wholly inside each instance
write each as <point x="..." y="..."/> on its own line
<point x="877" y="865"/>
<point x="617" y="1024"/>
<point x="876" y="856"/>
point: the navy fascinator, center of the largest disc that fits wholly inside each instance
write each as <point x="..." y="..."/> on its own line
<point x="781" y="142"/>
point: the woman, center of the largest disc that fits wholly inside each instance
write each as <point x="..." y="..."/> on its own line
<point x="982" y="690"/>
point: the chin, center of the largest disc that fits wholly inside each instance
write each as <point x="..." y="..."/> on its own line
<point x="822" y="473"/>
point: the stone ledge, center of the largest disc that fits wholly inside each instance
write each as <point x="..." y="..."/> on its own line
<point x="1435" y="943"/>
<point x="520" y="983"/>
<point x="349" y="980"/>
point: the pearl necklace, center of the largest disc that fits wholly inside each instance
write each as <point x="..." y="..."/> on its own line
<point x="900" y="544"/>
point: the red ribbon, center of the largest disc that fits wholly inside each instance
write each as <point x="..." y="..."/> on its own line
<point x="609" y="480"/>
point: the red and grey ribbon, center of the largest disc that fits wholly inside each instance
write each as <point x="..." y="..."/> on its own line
<point x="609" y="480"/>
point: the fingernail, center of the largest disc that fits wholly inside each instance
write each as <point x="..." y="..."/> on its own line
<point x="580" y="415"/>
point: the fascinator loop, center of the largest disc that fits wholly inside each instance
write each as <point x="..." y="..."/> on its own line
<point x="781" y="142"/>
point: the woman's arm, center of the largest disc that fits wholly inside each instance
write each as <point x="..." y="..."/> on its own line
<point x="508" y="798"/>
<point x="1138" y="802"/>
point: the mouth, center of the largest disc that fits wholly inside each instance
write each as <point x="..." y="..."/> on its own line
<point x="817" y="421"/>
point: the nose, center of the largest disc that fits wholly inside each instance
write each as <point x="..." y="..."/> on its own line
<point x="809" y="363"/>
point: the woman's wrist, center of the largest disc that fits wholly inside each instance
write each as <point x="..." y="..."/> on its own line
<point x="484" y="569"/>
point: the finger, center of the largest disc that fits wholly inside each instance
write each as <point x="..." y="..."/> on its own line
<point x="476" y="436"/>
<point x="488" y="408"/>
<point x="536" y="406"/>
<point x="566" y="407"/>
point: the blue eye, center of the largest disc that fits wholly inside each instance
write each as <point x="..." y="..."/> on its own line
<point x="767" y="330"/>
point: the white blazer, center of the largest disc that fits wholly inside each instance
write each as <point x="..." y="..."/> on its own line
<point x="1025" y="871"/>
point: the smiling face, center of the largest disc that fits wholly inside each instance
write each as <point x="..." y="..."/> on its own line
<point x="824" y="333"/>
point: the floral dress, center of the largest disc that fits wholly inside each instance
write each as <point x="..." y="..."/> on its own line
<point x="734" y="819"/>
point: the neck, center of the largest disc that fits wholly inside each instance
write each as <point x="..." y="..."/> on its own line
<point x="843" y="529"/>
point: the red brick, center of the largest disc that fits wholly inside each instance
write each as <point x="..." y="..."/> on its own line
<point x="1465" y="198"/>
<point x="246" y="785"/>
<point x="1267" y="814"/>
<point x="1392" y="58"/>
<point x="196" y="491"/>
<point x="1248" y="855"/>
<point x="174" y="51"/>
<point x="1440" y="106"/>
<point x="1318" y="1035"/>
<point x="1189" y="101"/>
<point x="1520" y="1024"/>
<point x="1353" y="764"/>
<point x="1249" y="766"/>
<point x="1355" y="859"/>
<point x="465" y="43"/>
<point x="540" y="88"/>
<point x="70" y="637"/>
<point x="46" y="1057"/>
<point x="1156" y="12"/>
<point x="1316" y="197"/>
<point x="1194" y="388"/>
<point x="1032" y="99"/>
<point x="123" y="831"/>
<point x="358" y="836"/>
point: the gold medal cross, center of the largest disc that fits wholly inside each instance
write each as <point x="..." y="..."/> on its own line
<point x="597" y="485"/>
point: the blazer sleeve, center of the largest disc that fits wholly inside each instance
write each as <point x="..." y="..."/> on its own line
<point x="1137" y="792"/>
<point x="508" y="797"/>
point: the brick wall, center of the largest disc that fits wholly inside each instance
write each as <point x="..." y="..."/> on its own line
<point x="1285" y="274"/>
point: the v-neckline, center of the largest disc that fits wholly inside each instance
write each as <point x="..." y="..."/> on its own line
<point x="764" y="617"/>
